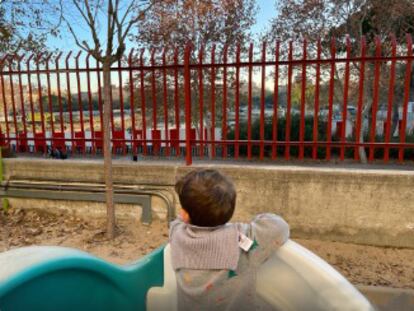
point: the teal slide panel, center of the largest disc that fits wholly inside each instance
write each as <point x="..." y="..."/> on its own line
<point x="79" y="281"/>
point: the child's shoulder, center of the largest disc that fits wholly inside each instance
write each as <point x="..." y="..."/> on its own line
<point x="266" y="219"/>
<point x="265" y="226"/>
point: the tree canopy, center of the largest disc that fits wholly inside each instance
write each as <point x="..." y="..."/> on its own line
<point x="311" y="19"/>
<point x="23" y="26"/>
<point x="172" y="23"/>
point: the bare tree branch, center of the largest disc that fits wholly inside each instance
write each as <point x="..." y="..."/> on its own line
<point x="88" y="22"/>
<point x="110" y="28"/>
<point x="75" y="37"/>
<point x="92" y="26"/>
<point x="127" y="11"/>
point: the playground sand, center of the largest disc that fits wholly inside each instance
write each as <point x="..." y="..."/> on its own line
<point x="364" y="265"/>
<point x="38" y="227"/>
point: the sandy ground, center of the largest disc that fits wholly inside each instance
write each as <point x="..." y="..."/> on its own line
<point x="366" y="265"/>
<point x="37" y="227"/>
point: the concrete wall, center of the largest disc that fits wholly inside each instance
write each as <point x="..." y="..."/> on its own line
<point x="373" y="207"/>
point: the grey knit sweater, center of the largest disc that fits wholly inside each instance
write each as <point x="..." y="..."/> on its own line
<point x="213" y="272"/>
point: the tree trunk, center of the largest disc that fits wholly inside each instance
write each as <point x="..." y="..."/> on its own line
<point x="395" y="119"/>
<point x="110" y="210"/>
<point x="361" y="149"/>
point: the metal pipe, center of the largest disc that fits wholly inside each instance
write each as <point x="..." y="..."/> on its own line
<point x="90" y="192"/>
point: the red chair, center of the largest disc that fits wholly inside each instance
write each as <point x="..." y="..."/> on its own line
<point x="58" y="141"/>
<point x="118" y="141"/>
<point x="22" y="143"/>
<point x="193" y="136"/>
<point x="40" y="142"/>
<point x="3" y="140"/>
<point x="338" y="131"/>
<point x="174" y="139"/>
<point x="79" y="143"/>
<point x="156" y="141"/>
<point x="98" y="142"/>
<point x="137" y="144"/>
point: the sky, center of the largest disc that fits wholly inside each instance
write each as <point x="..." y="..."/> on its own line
<point x="266" y="11"/>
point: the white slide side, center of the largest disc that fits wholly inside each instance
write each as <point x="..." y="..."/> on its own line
<point x="293" y="279"/>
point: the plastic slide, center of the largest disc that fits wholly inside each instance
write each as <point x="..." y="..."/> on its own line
<point x="57" y="278"/>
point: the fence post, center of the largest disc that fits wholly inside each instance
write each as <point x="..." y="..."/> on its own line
<point x="407" y="83"/>
<point x="187" y="100"/>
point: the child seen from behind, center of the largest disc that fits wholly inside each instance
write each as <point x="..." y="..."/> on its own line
<point x="216" y="261"/>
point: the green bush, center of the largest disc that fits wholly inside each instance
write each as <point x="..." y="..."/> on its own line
<point x="294" y="136"/>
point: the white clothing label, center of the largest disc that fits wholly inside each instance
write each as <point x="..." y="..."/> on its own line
<point x="244" y="242"/>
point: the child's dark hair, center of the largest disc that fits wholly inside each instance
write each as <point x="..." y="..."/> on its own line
<point x="207" y="196"/>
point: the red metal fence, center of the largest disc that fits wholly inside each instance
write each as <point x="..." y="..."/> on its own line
<point x="308" y="100"/>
